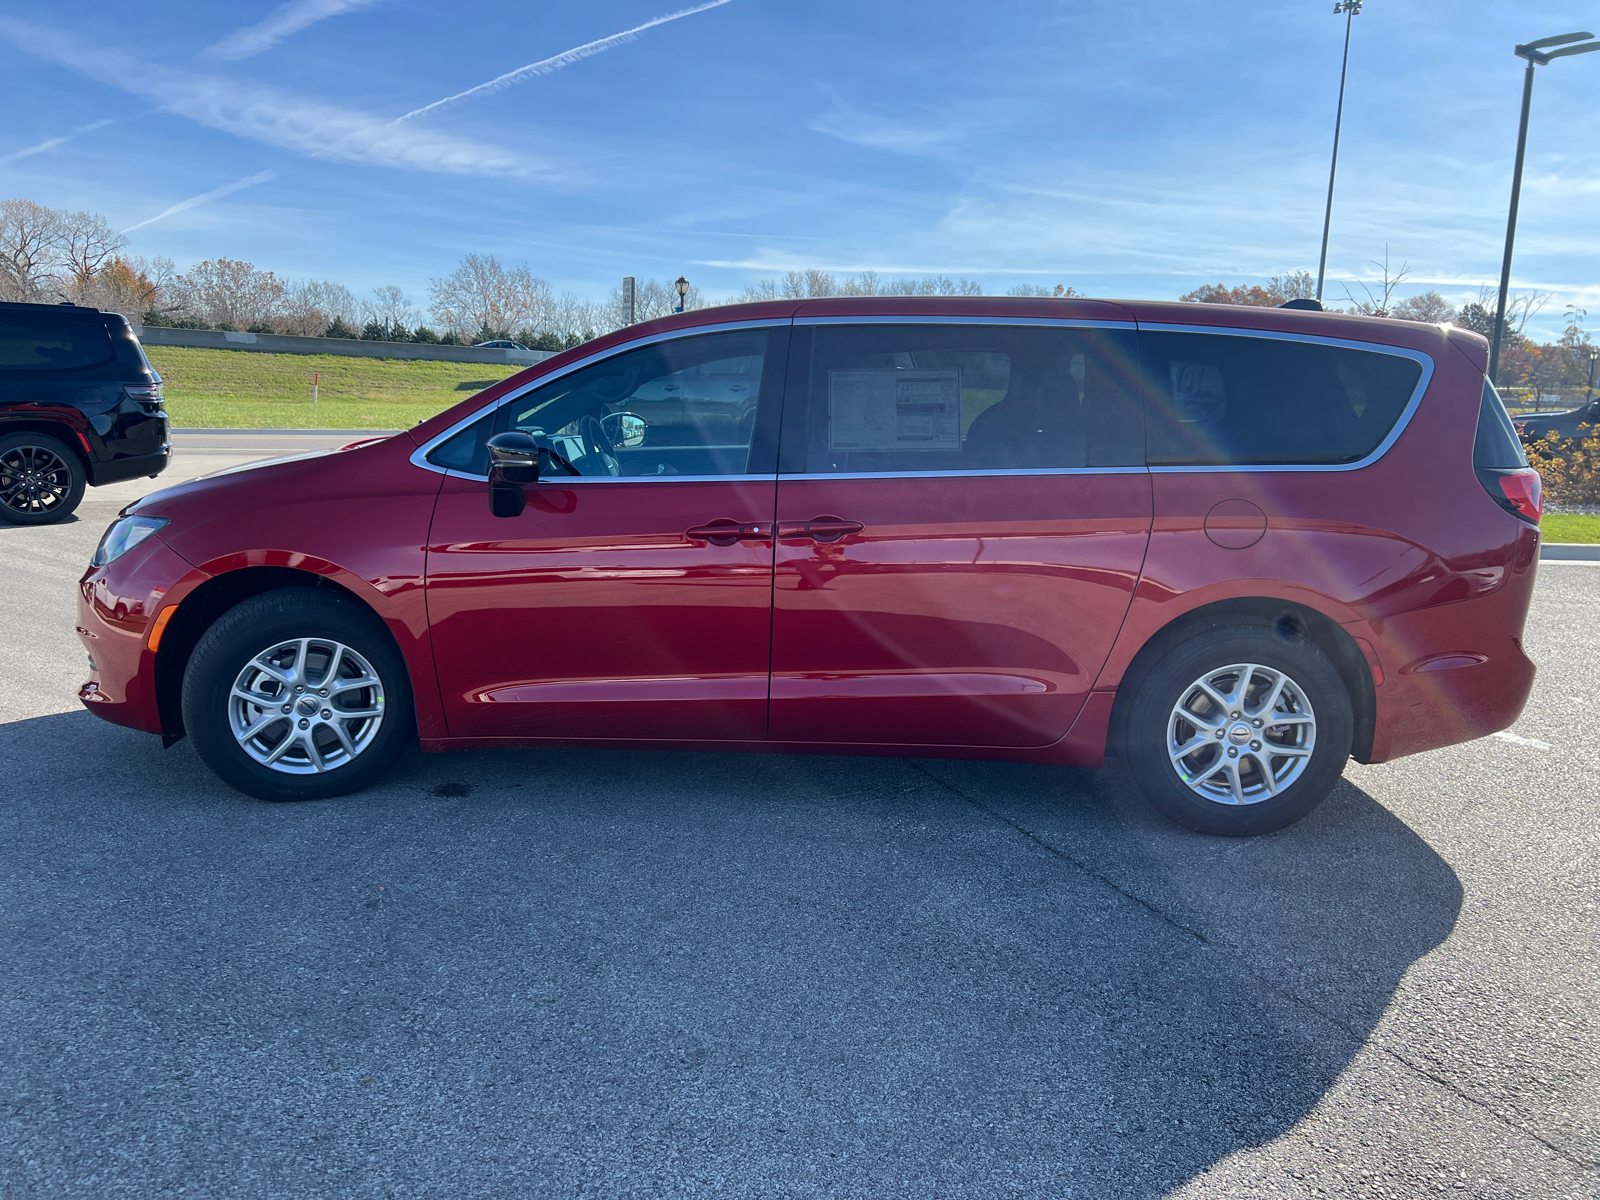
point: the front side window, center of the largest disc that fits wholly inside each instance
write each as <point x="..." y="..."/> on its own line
<point x="954" y="397"/>
<point x="52" y="345"/>
<point x="1219" y="399"/>
<point x="682" y="407"/>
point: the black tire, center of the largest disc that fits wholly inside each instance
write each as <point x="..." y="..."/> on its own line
<point x="1156" y="728"/>
<point x="41" y="481"/>
<point x="239" y="642"/>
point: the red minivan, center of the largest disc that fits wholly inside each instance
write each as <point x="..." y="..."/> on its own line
<point x="1235" y="545"/>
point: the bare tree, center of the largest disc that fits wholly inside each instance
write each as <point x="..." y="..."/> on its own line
<point x="390" y="306"/>
<point x="131" y="285"/>
<point x="29" y="251"/>
<point x="1039" y="289"/>
<point x="1429" y="307"/>
<point x="225" y="291"/>
<point x="1378" y="303"/>
<point x="311" y="305"/>
<point x="86" y="244"/>
<point x="481" y="295"/>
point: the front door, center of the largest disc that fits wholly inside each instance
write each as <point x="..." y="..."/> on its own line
<point x="631" y="598"/>
<point x="962" y="516"/>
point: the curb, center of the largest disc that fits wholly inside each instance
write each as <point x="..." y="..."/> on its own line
<point x="1570" y="552"/>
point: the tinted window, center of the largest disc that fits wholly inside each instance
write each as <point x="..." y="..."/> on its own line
<point x="1497" y="447"/>
<point x="1219" y="399"/>
<point x="466" y="451"/>
<point x="921" y="398"/>
<point x="684" y="407"/>
<point x="52" y="345"/>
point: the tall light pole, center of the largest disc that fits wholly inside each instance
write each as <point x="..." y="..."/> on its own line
<point x="1537" y="54"/>
<point x="1349" y="8"/>
<point x="682" y="285"/>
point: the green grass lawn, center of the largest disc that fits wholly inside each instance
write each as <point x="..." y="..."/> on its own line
<point x="1558" y="527"/>
<point x="239" y="389"/>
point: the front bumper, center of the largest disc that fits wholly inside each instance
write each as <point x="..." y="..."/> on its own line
<point x="116" y="605"/>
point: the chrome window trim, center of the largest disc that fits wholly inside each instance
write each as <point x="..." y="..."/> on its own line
<point x="419" y="457"/>
<point x="1424" y="360"/>
<point x="996" y="472"/>
<point x="942" y="319"/>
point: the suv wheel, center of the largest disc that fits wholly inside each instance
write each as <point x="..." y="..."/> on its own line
<point x="1241" y="730"/>
<point x="41" y="481"/>
<point x="297" y="695"/>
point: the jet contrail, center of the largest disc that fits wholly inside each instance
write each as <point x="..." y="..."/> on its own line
<point x="206" y="197"/>
<point x="52" y="143"/>
<point x="567" y="57"/>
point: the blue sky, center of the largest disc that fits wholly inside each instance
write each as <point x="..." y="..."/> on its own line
<point x="1127" y="148"/>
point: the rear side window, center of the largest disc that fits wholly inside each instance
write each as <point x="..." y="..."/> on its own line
<point x="52" y="345"/>
<point x="1218" y="399"/>
<point x="1497" y="447"/>
<point x="918" y="399"/>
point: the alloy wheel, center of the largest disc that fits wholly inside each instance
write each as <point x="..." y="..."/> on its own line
<point x="1241" y="734"/>
<point x="306" y="706"/>
<point x="34" y="480"/>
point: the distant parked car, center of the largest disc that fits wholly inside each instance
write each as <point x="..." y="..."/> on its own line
<point x="501" y="344"/>
<point x="80" y="405"/>
<point x="1532" y="427"/>
<point x="1236" y="546"/>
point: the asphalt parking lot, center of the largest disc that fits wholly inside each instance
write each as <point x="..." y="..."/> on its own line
<point x="580" y="974"/>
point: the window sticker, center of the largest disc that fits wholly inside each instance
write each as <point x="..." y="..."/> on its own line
<point x="893" y="409"/>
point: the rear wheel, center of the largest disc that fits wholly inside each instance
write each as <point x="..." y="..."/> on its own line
<point x="1241" y="730"/>
<point x="41" y="481"/>
<point x="297" y="695"/>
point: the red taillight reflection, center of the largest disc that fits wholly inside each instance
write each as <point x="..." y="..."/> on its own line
<point x="1525" y="491"/>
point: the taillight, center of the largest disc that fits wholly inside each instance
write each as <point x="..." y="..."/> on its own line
<point x="1520" y="492"/>
<point x="145" y="393"/>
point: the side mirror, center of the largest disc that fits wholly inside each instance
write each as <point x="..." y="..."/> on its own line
<point x="513" y="464"/>
<point x="624" y="428"/>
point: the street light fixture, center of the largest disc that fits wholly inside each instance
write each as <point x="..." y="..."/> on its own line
<point x="682" y="285"/>
<point x="1349" y="8"/>
<point x="1594" y="354"/>
<point x="1538" y="54"/>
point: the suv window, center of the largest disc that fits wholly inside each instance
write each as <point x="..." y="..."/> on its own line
<point x="34" y="345"/>
<point x="956" y="397"/>
<point x="682" y="407"/>
<point x="1226" y="399"/>
<point x="1496" y="446"/>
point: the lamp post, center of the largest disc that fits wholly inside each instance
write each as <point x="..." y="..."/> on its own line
<point x="1594" y="354"/>
<point x="1349" y="8"/>
<point x="682" y="285"/>
<point x="1538" y="54"/>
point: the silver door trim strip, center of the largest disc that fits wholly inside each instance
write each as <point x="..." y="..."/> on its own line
<point x="941" y="319"/>
<point x="419" y="457"/>
<point x="998" y="472"/>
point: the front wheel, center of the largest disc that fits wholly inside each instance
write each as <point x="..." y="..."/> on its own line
<point x="1241" y="730"/>
<point x="41" y="481"/>
<point x="297" y="694"/>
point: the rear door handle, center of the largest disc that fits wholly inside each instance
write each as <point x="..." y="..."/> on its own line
<point x="819" y="529"/>
<point x="725" y="532"/>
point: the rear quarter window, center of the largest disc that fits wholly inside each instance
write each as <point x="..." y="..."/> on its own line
<point x="1226" y="400"/>
<point x="52" y="345"/>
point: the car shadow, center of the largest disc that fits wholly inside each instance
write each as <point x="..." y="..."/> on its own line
<point x="681" y="973"/>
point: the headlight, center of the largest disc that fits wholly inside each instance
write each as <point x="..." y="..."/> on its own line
<point x="123" y="535"/>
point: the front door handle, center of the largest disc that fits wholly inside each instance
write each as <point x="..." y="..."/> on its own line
<point x="725" y="532"/>
<point x="819" y="529"/>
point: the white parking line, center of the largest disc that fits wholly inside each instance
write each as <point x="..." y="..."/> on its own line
<point x="1522" y="741"/>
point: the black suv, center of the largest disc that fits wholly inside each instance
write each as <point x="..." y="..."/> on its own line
<point x="1532" y="427"/>
<point x="79" y="404"/>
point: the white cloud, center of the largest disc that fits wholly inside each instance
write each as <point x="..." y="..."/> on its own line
<point x="206" y="197"/>
<point x="282" y="21"/>
<point x="554" y="63"/>
<point x="879" y="133"/>
<point x="270" y="115"/>
<point x="52" y="143"/>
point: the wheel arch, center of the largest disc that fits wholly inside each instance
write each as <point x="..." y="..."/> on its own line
<point x="1287" y="617"/>
<point x="201" y="608"/>
<point x="61" y="430"/>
